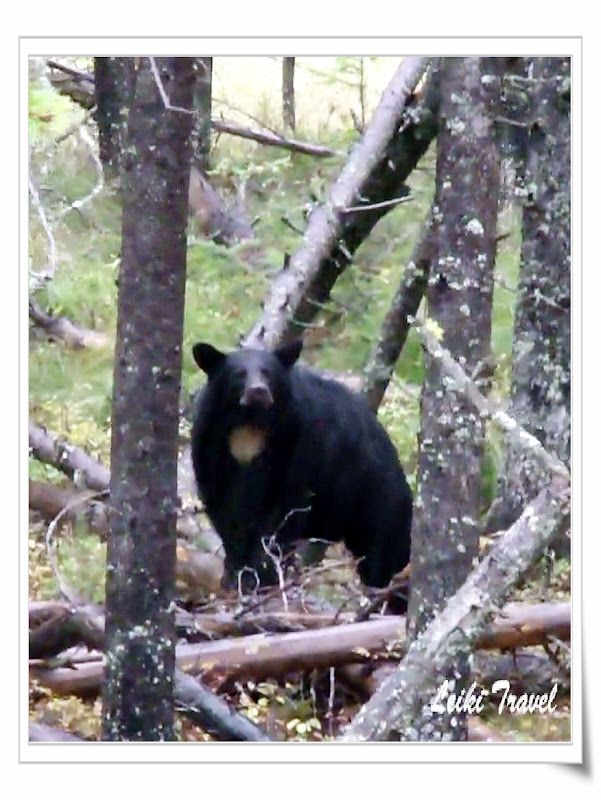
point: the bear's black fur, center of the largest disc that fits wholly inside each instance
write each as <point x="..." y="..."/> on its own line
<point x="277" y="449"/>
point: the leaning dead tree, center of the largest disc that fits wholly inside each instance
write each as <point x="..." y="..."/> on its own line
<point x="391" y="713"/>
<point x="368" y="186"/>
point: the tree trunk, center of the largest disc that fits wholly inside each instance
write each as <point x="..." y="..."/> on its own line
<point x="140" y="632"/>
<point x="288" y="112"/>
<point x="395" y="328"/>
<point x="445" y="535"/>
<point x="114" y="81"/>
<point x="203" y="98"/>
<point x="540" y="389"/>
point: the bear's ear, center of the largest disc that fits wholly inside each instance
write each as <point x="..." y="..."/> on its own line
<point x="288" y="353"/>
<point x="208" y="358"/>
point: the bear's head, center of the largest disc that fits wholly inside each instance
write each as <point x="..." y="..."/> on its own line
<point x="252" y="384"/>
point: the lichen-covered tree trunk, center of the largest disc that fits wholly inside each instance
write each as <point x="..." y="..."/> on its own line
<point x="114" y="79"/>
<point x="459" y="294"/>
<point x="140" y="633"/>
<point x="540" y="388"/>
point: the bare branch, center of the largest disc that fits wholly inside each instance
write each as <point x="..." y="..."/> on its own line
<point x="76" y="205"/>
<point x="384" y="204"/>
<point x="232" y="128"/>
<point x="36" y="280"/>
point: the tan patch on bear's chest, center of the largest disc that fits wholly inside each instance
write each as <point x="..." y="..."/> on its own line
<point x="246" y="443"/>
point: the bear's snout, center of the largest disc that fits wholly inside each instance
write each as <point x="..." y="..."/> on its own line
<point x="257" y="394"/>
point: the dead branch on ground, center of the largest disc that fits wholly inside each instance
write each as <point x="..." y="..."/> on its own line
<point x="210" y="712"/>
<point x="68" y="458"/>
<point x="62" y="329"/>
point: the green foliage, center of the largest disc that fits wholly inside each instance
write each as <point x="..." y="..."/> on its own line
<point x="50" y="114"/>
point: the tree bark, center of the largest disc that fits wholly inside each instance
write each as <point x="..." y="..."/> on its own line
<point x="114" y="81"/>
<point x="445" y="534"/>
<point x="203" y="98"/>
<point x="140" y="633"/>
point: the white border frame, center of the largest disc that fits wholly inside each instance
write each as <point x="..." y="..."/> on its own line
<point x="316" y="752"/>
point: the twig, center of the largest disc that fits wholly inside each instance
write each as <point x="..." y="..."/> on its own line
<point x="291" y="583"/>
<point x="76" y="501"/>
<point x="262" y="137"/>
<point x="247" y="114"/>
<point x="36" y="280"/>
<point x="384" y="204"/>
<point x="77" y="204"/>
<point x="163" y="93"/>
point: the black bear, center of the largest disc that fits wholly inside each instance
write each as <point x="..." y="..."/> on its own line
<point x="280" y="451"/>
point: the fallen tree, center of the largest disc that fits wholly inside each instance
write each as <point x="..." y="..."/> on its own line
<point x="263" y="655"/>
<point x="62" y="329"/>
<point x="68" y="459"/>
